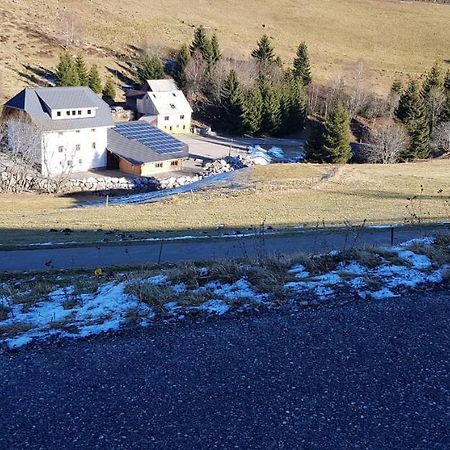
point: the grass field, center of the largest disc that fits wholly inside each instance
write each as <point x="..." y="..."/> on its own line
<point x="395" y="38"/>
<point x="278" y="195"/>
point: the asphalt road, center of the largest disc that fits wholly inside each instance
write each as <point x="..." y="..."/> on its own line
<point x="370" y="376"/>
<point x="203" y="249"/>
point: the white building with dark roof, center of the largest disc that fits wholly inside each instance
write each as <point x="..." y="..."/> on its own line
<point x="70" y="126"/>
<point x="164" y="106"/>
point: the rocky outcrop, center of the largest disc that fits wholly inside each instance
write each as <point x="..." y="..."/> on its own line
<point x="227" y="164"/>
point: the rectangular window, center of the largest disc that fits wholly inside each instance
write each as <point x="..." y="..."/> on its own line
<point x="77" y="131"/>
<point x="77" y="147"/>
<point x="158" y="165"/>
<point x="69" y="163"/>
<point x="73" y="113"/>
<point x="61" y="149"/>
<point x="166" y="118"/>
<point x="68" y="113"/>
<point x="80" y="161"/>
<point x="93" y="130"/>
<point x="94" y="145"/>
<point x="89" y="112"/>
<point x="182" y="116"/>
<point x="174" y="94"/>
<point x="184" y="127"/>
<point x="171" y="128"/>
<point x="174" y="163"/>
<point x="58" y="113"/>
<point x="172" y="106"/>
<point x="79" y="112"/>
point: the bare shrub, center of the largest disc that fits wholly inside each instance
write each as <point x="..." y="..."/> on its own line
<point x="387" y="140"/>
<point x="441" y="137"/>
<point x="196" y="71"/>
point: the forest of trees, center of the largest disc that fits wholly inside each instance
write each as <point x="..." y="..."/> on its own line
<point x="263" y="96"/>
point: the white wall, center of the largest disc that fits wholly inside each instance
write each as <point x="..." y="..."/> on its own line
<point x="61" y="156"/>
<point x="175" y="122"/>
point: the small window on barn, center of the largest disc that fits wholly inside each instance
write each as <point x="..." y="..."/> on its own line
<point x="70" y="163"/>
<point x="79" y="112"/>
<point x="80" y="161"/>
<point x="58" y="113"/>
<point x="174" y="94"/>
<point x="61" y="149"/>
<point x="159" y="165"/>
<point x="89" y="112"/>
<point x="174" y="163"/>
<point x="77" y="147"/>
<point x="94" y="145"/>
<point x="73" y="113"/>
<point x="166" y="118"/>
<point x="93" y="130"/>
<point x="182" y="116"/>
<point x="68" y="113"/>
<point x="172" y="106"/>
<point x="77" y="131"/>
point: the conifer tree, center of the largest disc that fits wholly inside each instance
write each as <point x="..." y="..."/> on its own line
<point x="396" y="87"/>
<point x="150" y="68"/>
<point x="302" y="69"/>
<point x="336" y="144"/>
<point x="271" y="111"/>
<point x="232" y="101"/>
<point x="314" y="151"/>
<point x="433" y="80"/>
<point x="411" y="112"/>
<point x="95" y="82"/>
<point x="109" y="89"/>
<point x="83" y="74"/>
<point x="202" y="43"/>
<point x="181" y="60"/>
<point x="264" y="52"/>
<point x="66" y="71"/>
<point x="251" y="115"/>
<point x="215" y="49"/>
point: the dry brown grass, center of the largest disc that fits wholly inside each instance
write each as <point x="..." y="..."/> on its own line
<point x="395" y="38"/>
<point x="278" y="195"/>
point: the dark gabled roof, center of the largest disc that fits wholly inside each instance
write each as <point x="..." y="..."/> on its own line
<point x="37" y="102"/>
<point x="140" y="142"/>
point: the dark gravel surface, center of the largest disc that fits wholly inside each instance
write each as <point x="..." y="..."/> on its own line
<point x="360" y="376"/>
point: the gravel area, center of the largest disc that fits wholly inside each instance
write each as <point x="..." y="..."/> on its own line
<point x="372" y="375"/>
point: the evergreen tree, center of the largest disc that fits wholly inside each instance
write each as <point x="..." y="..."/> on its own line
<point x="109" y="89"/>
<point x="314" y="151"/>
<point x="252" y="108"/>
<point x="95" y="83"/>
<point x="271" y="111"/>
<point x="433" y="80"/>
<point x="181" y="60"/>
<point x="396" y="87"/>
<point x="445" y="115"/>
<point x="264" y="52"/>
<point x="66" y="71"/>
<point x="336" y="145"/>
<point x="411" y="112"/>
<point x="202" y="43"/>
<point x="150" y="68"/>
<point x="232" y="102"/>
<point x="215" y="49"/>
<point x="82" y="71"/>
<point x="302" y="69"/>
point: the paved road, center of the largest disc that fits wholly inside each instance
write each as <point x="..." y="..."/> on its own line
<point x="203" y="249"/>
<point x="370" y="376"/>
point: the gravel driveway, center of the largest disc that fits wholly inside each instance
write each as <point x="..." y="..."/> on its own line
<point x="360" y="376"/>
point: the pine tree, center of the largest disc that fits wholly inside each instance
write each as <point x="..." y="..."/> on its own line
<point x="150" y="68"/>
<point x="109" y="89"/>
<point x="181" y="60"/>
<point x="271" y="112"/>
<point x="66" y="71"/>
<point x="82" y="71"/>
<point x="264" y="51"/>
<point x="336" y="146"/>
<point x="302" y="69"/>
<point x="95" y="82"/>
<point x="215" y="49"/>
<point x="232" y="101"/>
<point x="295" y="91"/>
<point x="202" y="43"/>
<point x="411" y="112"/>
<point x="433" y="80"/>
<point x="314" y="151"/>
<point x="251" y="115"/>
<point x="445" y="114"/>
<point x="396" y="87"/>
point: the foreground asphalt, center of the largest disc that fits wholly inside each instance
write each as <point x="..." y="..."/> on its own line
<point x="311" y="241"/>
<point x="359" y="376"/>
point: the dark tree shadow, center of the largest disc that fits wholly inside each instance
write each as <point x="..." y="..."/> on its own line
<point x="38" y="75"/>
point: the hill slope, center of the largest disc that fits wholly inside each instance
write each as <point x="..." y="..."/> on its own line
<point x="394" y="38"/>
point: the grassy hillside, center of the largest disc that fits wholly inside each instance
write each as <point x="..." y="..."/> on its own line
<point x="279" y="195"/>
<point x="393" y="37"/>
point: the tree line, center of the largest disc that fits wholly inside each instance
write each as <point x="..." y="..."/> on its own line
<point x="73" y="71"/>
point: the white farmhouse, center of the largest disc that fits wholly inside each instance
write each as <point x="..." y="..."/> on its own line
<point x="163" y="105"/>
<point x="70" y="127"/>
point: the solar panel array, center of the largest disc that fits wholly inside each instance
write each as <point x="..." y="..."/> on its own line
<point x="150" y="136"/>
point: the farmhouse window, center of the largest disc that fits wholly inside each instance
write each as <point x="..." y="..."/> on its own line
<point x="79" y="112"/>
<point x="78" y="147"/>
<point x="80" y="161"/>
<point x="68" y="113"/>
<point x="73" y="113"/>
<point x="70" y="163"/>
<point x="89" y="112"/>
<point x="172" y="106"/>
<point x="166" y="118"/>
<point x="159" y="165"/>
<point x="174" y="163"/>
<point x="94" y="145"/>
<point x="58" y="113"/>
<point x="182" y="116"/>
<point x="61" y="149"/>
